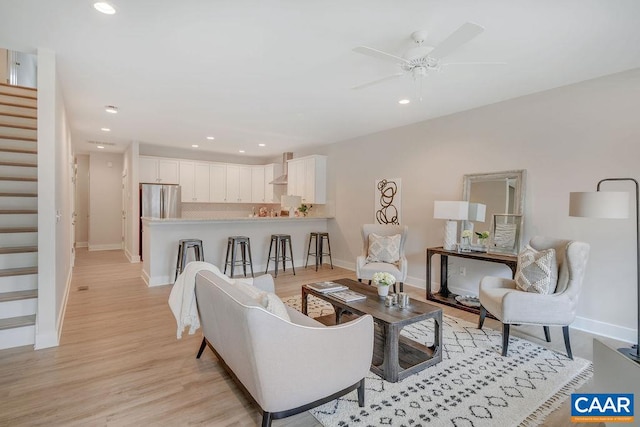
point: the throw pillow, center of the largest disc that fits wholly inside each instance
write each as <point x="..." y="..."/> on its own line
<point x="384" y="248"/>
<point x="274" y="305"/>
<point x="537" y="271"/>
<point x="251" y="291"/>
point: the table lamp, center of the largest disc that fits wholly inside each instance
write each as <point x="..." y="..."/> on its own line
<point x="452" y="212"/>
<point x="611" y="204"/>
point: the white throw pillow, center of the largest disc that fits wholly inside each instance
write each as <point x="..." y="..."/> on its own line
<point x="384" y="248"/>
<point x="268" y="300"/>
<point x="274" y="305"/>
<point x="537" y="271"/>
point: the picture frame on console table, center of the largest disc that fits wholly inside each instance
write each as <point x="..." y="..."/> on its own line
<point x="506" y="234"/>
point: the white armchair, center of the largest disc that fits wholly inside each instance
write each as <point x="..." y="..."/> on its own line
<point x="365" y="269"/>
<point x="510" y="305"/>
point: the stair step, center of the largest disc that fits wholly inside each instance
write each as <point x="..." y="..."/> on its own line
<point x="18" y="295"/>
<point x="19" y="150"/>
<point x="18" y="211"/>
<point x="12" y="230"/>
<point x="18" y="249"/>
<point x="18" y="164"/>
<point x="19" y="178"/>
<point x="25" y="91"/>
<point x="18" y="322"/>
<point x="17" y="126"/>
<point x="18" y="195"/>
<point x="14" y="104"/>
<point x="18" y="271"/>
<point x="19" y="138"/>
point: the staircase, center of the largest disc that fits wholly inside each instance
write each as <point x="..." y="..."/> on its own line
<point x="18" y="216"/>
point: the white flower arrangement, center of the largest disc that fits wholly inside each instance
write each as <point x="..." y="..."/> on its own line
<point x="383" y="279"/>
<point x="467" y="233"/>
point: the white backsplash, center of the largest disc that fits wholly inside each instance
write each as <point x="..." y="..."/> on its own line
<point x="234" y="210"/>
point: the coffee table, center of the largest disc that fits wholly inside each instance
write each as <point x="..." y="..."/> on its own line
<point x="395" y="356"/>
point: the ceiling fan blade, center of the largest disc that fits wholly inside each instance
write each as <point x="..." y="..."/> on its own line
<point x="459" y="37"/>
<point x="362" y="86"/>
<point x="369" y="51"/>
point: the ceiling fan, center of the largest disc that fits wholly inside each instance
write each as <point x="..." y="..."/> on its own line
<point x="421" y="59"/>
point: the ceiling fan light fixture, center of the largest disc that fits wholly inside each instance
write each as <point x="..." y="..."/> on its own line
<point x="105" y="7"/>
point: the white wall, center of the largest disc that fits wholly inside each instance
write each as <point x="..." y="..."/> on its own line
<point x="567" y="139"/>
<point x="54" y="203"/>
<point x="132" y="240"/>
<point x="82" y="201"/>
<point x="105" y="201"/>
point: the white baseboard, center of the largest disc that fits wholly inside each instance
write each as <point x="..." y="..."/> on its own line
<point x="132" y="258"/>
<point x="109" y="247"/>
<point x="605" y="329"/>
<point x="82" y="244"/>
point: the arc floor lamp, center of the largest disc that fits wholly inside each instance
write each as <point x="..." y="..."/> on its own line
<point x="611" y="204"/>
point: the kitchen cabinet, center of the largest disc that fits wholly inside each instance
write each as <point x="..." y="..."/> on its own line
<point x="257" y="184"/>
<point x="217" y="182"/>
<point x="238" y="184"/>
<point x="194" y="181"/>
<point x="270" y="172"/>
<point x="307" y="178"/>
<point x="158" y="170"/>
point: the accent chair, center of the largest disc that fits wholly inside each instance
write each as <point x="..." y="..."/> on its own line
<point x="512" y="306"/>
<point x="383" y="252"/>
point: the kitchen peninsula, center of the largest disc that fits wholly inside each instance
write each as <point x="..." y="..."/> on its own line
<point x="160" y="241"/>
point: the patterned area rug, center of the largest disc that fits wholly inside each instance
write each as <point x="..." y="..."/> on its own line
<point x="472" y="386"/>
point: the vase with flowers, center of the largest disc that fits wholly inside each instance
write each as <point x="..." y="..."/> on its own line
<point x="483" y="238"/>
<point x="304" y="209"/>
<point x="383" y="280"/>
<point x="465" y="243"/>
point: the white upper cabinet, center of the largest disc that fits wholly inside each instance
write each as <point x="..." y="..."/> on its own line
<point x="257" y="184"/>
<point x="307" y="178"/>
<point x="238" y="184"/>
<point x="194" y="181"/>
<point x="270" y="172"/>
<point x="158" y="170"/>
<point x="217" y="183"/>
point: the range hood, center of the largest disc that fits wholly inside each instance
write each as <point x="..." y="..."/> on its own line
<point x="282" y="179"/>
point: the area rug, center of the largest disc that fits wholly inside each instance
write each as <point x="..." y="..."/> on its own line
<point x="472" y="386"/>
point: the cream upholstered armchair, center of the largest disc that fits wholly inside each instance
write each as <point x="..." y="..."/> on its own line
<point x="383" y="251"/>
<point x="511" y="305"/>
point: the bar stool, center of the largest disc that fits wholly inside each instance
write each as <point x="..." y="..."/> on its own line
<point x="280" y="241"/>
<point x="245" y="246"/>
<point x="183" y="247"/>
<point x="319" y="238"/>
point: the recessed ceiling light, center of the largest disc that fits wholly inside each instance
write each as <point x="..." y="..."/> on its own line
<point x="111" y="109"/>
<point x="105" y="7"/>
<point x="241" y="151"/>
<point x="195" y="145"/>
<point x="210" y="138"/>
<point x="261" y="145"/>
<point x="404" y="101"/>
<point x="100" y="146"/>
<point x="105" y="129"/>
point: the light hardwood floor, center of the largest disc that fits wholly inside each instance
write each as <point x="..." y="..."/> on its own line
<point x="119" y="362"/>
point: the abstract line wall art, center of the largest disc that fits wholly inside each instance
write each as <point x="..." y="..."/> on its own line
<point x="387" y="201"/>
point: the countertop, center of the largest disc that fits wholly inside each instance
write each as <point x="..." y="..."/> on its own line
<point x="238" y="219"/>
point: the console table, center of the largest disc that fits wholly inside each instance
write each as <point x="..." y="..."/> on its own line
<point x="446" y="297"/>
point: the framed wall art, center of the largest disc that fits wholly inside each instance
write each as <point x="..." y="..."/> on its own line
<point x="506" y="232"/>
<point x="387" y="203"/>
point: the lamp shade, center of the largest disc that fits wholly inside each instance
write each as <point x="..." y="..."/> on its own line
<point x="477" y="212"/>
<point x="599" y="204"/>
<point x="450" y="210"/>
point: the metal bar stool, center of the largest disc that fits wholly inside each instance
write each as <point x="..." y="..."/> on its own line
<point x="280" y="241"/>
<point x="245" y="246"/>
<point x="319" y="238"/>
<point x="183" y="247"/>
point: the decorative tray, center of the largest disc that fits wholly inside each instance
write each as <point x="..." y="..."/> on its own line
<point x="468" y="300"/>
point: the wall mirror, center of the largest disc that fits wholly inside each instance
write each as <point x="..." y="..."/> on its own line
<point x="501" y="193"/>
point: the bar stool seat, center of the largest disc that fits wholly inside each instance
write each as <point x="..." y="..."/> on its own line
<point x="280" y="243"/>
<point x="183" y="246"/>
<point x="230" y="260"/>
<point x="319" y="237"/>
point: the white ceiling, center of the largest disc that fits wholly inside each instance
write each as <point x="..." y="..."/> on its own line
<point x="281" y="72"/>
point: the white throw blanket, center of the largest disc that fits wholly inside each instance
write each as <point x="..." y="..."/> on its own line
<point x="183" y="296"/>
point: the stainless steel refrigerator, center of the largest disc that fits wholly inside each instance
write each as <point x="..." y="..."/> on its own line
<point x="159" y="201"/>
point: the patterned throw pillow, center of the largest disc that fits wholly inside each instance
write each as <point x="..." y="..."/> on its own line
<point x="384" y="248"/>
<point x="537" y="271"/>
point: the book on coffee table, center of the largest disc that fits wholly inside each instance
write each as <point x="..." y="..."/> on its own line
<point x="348" y="296"/>
<point x="326" y="287"/>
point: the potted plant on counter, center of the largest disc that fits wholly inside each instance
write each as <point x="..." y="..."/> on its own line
<point x="304" y="209"/>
